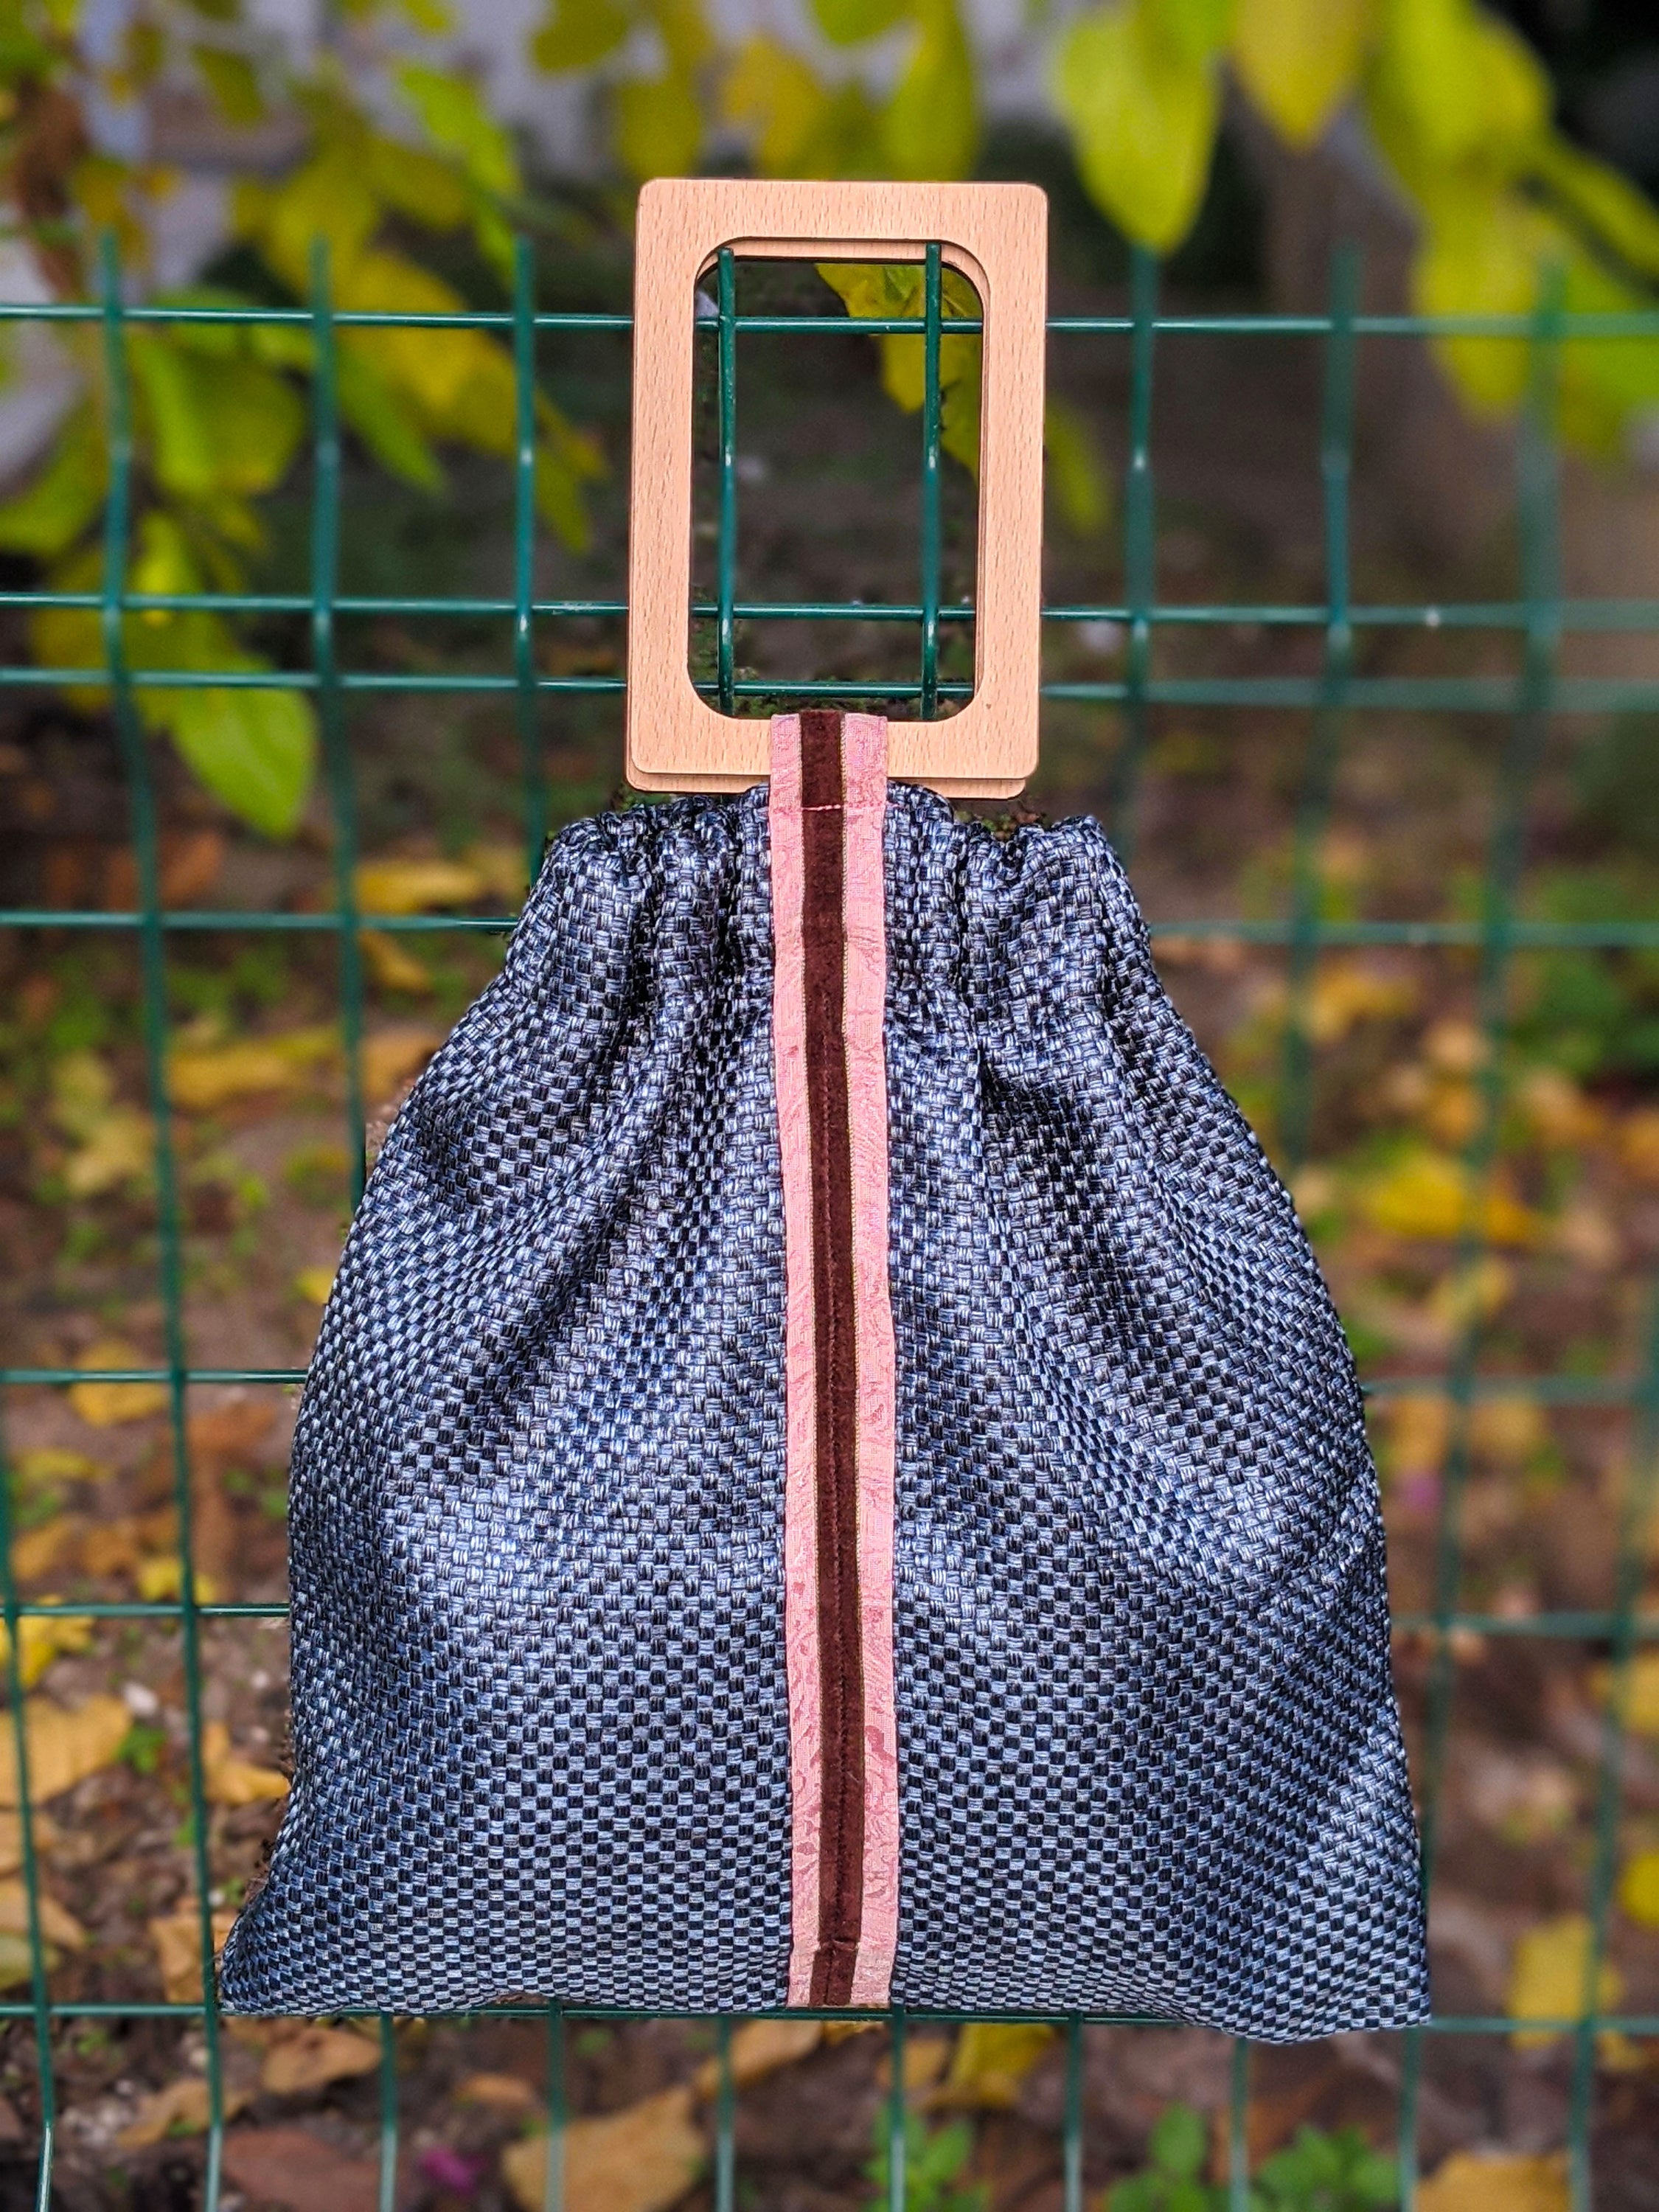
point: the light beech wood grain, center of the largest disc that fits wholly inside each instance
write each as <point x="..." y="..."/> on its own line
<point x="997" y="236"/>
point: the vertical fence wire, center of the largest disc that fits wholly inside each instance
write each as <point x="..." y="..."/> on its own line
<point x="1140" y="558"/>
<point x="726" y="542"/>
<point x="533" y="769"/>
<point x="325" y="499"/>
<point x="40" y="1984"/>
<point x="1539" y="518"/>
<point x="1324" y="750"/>
<point x="135" y="760"/>
<point x="933" y="417"/>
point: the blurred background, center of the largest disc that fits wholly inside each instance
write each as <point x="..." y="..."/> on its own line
<point x="1354" y="644"/>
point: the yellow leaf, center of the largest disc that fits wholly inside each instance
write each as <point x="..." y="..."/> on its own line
<point x="65" y="1744"/>
<point x="314" y="1284"/>
<point x="578" y="33"/>
<point x="183" y="2108"/>
<point x="42" y="1638"/>
<point x="501" y="2093"/>
<point x="1638" y="1144"/>
<point x="640" y="2159"/>
<point x="177" y="1937"/>
<point x="315" y="2056"/>
<point x="1453" y="85"/>
<point x="1346" y="992"/>
<point x="1300" y="59"/>
<point x="11" y="1838"/>
<point x="930" y="126"/>
<point x="775" y="96"/>
<point x="1510" y="1431"/>
<point x="163" y="1577"/>
<point x="1470" y="2182"/>
<point x="107" y="1405"/>
<point x="658" y="124"/>
<point x="39" y="1465"/>
<point x="202" y="1078"/>
<point x="232" y="1781"/>
<point x="759" y="2049"/>
<point x="1638" y="1889"/>
<point x="1641" y="1695"/>
<point x="1426" y="1195"/>
<point x="990" y="2062"/>
<point x="57" y="1926"/>
<point x="1077" y="474"/>
<point x="1480" y="255"/>
<point x="416" y="886"/>
<point x="391" y="966"/>
<point x="1557" y="1111"/>
<point x="1144" y="114"/>
<point x="1547" y="1978"/>
<point x="391" y="1056"/>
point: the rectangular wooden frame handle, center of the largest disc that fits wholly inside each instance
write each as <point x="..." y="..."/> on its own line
<point x="997" y="236"/>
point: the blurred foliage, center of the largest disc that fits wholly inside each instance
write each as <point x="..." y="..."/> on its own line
<point x="384" y="163"/>
<point x="1320" y="2171"/>
<point x="1453" y="101"/>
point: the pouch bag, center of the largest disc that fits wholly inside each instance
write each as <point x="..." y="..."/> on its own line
<point x="830" y="1474"/>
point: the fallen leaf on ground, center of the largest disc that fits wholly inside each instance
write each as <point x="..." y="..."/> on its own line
<point x="181" y="2109"/>
<point x="39" y="1552"/>
<point x="17" y="1961"/>
<point x="314" y="1284"/>
<point x="391" y="1056"/>
<point x="232" y="1781"/>
<point x="502" y="2092"/>
<point x="11" y="1839"/>
<point x="163" y="1577"/>
<point x="760" y="2049"/>
<point x="65" y="1744"/>
<point x="925" y="2057"/>
<point x="42" y="1638"/>
<point x="1547" y="1978"/>
<point x="1638" y="1889"/>
<point x="120" y="1147"/>
<point x="293" y="2167"/>
<point x="107" y="1405"/>
<point x="315" y="2056"/>
<point x="391" y="966"/>
<point x="57" y="1925"/>
<point x="204" y="1077"/>
<point x="177" y="1937"/>
<point x="233" y="1431"/>
<point x="1427" y="1195"/>
<point x="416" y="886"/>
<point x="1469" y="2183"/>
<point x="1638" y="1144"/>
<point x="991" y="2060"/>
<point x="640" y="2160"/>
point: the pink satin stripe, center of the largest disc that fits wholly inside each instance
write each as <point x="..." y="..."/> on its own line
<point x="864" y="756"/>
<point x="800" y="1566"/>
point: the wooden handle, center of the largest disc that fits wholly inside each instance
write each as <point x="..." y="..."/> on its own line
<point x="997" y="236"/>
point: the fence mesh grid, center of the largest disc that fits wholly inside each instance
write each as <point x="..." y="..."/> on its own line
<point x="1528" y="701"/>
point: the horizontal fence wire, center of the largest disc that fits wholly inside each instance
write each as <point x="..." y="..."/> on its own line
<point x="1536" y="692"/>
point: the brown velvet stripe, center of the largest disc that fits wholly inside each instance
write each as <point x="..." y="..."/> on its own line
<point x="840" y="1652"/>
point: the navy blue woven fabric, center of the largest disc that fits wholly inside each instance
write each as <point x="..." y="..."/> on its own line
<point x="1150" y="1757"/>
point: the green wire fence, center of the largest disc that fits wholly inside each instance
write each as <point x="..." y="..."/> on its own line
<point x="1541" y="616"/>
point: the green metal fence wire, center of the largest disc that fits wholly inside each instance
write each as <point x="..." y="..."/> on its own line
<point x="1530" y="699"/>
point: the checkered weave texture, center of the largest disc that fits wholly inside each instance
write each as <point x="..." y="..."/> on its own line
<point x="1150" y="1757"/>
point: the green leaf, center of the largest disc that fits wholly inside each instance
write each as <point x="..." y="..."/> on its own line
<point x="1453" y="86"/>
<point x="1480" y="256"/>
<point x="1179" y="2143"/>
<point x="566" y="460"/>
<point x="578" y="33"/>
<point x="1192" y="30"/>
<point x="658" y="125"/>
<point x="453" y="113"/>
<point x="848" y="21"/>
<point x="382" y="419"/>
<point x="418" y="185"/>
<point x="47" y="517"/>
<point x="1144" y="118"/>
<point x="1608" y="206"/>
<point x="1078" y="474"/>
<point x="1299" y="60"/>
<point x="930" y="126"/>
<point x="255" y="751"/>
<point x="232" y="81"/>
